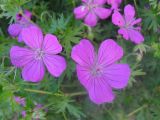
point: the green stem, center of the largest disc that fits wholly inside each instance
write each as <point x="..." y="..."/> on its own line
<point x="15" y="73"/>
<point x="10" y="71"/>
<point x="64" y="115"/>
<point x="75" y="94"/>
<point x="130" y="54"/>
<point x="38" y="91"/>
<point x="90" y="33"/>
<point x="55" y="94"/>
<point x="137" y="110"/>
<point x="33" y="84"/>
<point x="112" y="116"/>
<point x="66" y="86"/>
<point x="135" y="3"/>
<point x="73" y="2"/>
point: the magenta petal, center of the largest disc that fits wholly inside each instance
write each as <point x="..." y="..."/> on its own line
<point x="20" y="38"/>
<point x="26" y="18"/>
<point x="80" y="12"/>
<point x="20" y="56"/>
<point x="85" y="1"/>
<point x="28" y="14"/>
<point x="129" y="13"/>
<point x="109" y="52"/>
<point x="102" y="13"/>
<point x="51" y="44"/>
<point x="118" y="19"/>
<point x="33" y="71"/>
<point x="14" y="29"/>
<point x="124" y="33"/>
<point x="100" y="92"/>
<point x="83" y="53"/>
<point x="84" y="76"/>
<point x="55" y="64"/>
<point x="114" y="3"/>
<point x="91" y="19"/>
<point x="32" y="36"/>
<point x="137" y="21"/>
<point x="98" y="88"/>
<point x="23" y="113"/>
<point x="100" y="2"/>
<point x="111" y="2"/>
<point x="135" y="36"/>
<point x="117" y="75"/>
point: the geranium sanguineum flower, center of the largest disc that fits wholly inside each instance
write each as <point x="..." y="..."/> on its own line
<point x="20" y="100"/>
<point x="99" y="73"/>
<point x="23" y="113"/>
<point x="91" y="11"/>
<point x="22" y="21"/>
<point x="128" y="24"/>
<point x="40" y="52"/>
<point x="114" y="3"/>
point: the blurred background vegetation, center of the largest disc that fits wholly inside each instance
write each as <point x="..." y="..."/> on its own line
<point x="64" y="98"/>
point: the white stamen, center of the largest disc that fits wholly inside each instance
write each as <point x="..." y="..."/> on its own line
<point x="39" y="54"/>
<point x="83" y="8"/>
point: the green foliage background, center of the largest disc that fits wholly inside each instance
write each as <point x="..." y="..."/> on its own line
<point x="64" y="97"/>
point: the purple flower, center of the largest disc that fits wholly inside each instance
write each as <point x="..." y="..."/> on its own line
<point x="114" y="3"/>
<point x="128" y="25"/>
<point x="91" y="10"/>
<point x="21" y="22"/>
<point x="23" y="113"/>
<point x="24" y="19"/>
<point x="99" y="73"/>
<point x="38" y="106"/>
<point x="20" y="100"/>
<point x="40" y="52"/>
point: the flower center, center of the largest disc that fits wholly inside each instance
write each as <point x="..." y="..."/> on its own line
<point x="96" y="70"/>
<point x="19" y="16"/>
<point x="91" y="6"/>
<point x="39" y="54"/>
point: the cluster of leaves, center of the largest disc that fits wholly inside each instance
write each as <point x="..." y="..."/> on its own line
<point x="64" y="97"/>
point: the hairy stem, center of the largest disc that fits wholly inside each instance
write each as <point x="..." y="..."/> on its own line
<point x="38" y="91"/>
<point x="75" y="94"/>
<point x="64" y="116"/>
<point x="55" y="94"/>
<point x="137" y="110"/>
<point x="90" y="33"/>
<point x="135" y="3"/>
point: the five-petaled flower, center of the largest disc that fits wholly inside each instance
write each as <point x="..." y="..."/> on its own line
<point x="20" y="100"/>
<point x="99" y="73"/>
<point x="91" y="10"/>
<point x="128" y="24"/>
<point x="22" y="21"/>
<point x="40" y="52"/>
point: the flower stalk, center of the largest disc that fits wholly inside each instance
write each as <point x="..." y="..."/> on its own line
<point x="55" y="94"/>
<point x="137" y="110"/>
